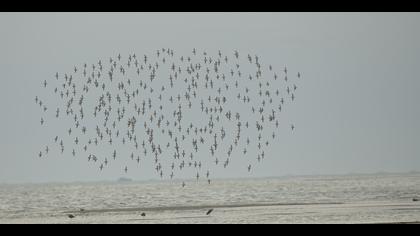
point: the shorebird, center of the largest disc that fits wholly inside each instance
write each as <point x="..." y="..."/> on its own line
<point x="209" y="211"/>
<point x="103" y="104"/>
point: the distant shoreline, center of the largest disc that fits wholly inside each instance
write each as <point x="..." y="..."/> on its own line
<point x="381" y="173"/>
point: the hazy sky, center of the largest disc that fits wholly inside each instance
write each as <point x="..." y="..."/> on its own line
<point x="357" y="108"/>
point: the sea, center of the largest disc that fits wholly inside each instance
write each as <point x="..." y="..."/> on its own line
<point x="332" y="199"/>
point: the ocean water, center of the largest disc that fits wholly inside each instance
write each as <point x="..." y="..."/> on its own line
<point x="378" y="198"/>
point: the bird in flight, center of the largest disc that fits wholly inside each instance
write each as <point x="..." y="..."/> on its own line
<point x="174" y="108"/>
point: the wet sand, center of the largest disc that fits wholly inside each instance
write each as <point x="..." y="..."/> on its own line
<point x="357" y="199"/>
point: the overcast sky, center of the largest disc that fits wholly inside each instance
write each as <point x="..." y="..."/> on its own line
<point x="357" y="108"/>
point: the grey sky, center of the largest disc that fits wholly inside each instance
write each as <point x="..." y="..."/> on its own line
<point x="356" y="111"/>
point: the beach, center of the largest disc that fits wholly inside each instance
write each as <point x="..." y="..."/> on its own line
<point x="365" y="199"/>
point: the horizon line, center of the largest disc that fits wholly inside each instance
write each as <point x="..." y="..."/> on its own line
<point x="130" y="180"/>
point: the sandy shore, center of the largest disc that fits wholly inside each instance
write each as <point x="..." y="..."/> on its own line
<point x="189" y="208"/>
<point x="265" y="213"/>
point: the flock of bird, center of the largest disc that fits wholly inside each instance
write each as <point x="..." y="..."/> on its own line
<point x="188" y="112"/>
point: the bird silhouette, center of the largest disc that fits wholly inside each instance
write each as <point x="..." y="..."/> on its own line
<point x="149" y="107"/>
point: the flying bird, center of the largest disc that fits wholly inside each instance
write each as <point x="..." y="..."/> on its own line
<point x="166" y="107"/>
